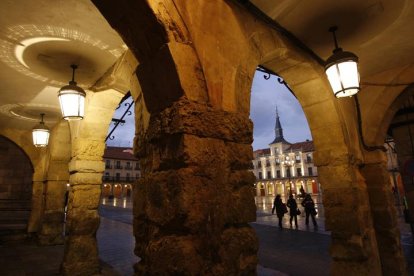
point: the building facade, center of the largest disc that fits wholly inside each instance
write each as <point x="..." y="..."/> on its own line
<point x="285" y="167"/>
<point x="121" y="170"/>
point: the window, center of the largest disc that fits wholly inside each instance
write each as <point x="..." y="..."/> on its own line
<point x="107" y="164"/>
<point x="128" y="166"/>
<point x="137" y="175"/>
<point x="287" y="172"/>
<point x="278" y="174"/>
<point x="118" y="176"/>
<point x="127" y="177"/>
<point x="259" y="164"/>
<point x="137" y="166"/>
<point x="107" y="176"/>
<point x="299" y="171"/>
<point x="269" y="175"/>
<point x="277" y="161"/>
<point x="308" y="158"/>
<point x="118" y="165"/>
<point x="260" y="175"/>
<point x="310" y="171"/>
<point x="297" y="157"/>
<point x="267" y="163"/>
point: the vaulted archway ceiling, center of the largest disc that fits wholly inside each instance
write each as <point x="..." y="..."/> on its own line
<point x="38" y="43"/>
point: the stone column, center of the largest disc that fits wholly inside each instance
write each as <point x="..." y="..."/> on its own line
<point x="86" y="168"/>
<point x="37" y="206"/>
<point x="51" y="232"/>
<point x="384" y="214"/>
<point x="195" y="199"/>
<point x="38" y="195"/>
<point x="354" y="248"/>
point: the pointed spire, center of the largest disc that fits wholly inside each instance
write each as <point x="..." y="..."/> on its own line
<point x="278" y="127"/>
<point x="278" y="130"/>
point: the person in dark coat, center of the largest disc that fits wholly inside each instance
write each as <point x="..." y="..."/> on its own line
<point x="293" y="207"/>
<point x="280" y="209"/>
<point x="309" y="209"/>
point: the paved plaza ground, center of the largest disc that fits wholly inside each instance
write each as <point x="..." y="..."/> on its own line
<point x="302" y="251"/>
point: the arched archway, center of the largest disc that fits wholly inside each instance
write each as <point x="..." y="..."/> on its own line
<point x="204" y="112"/>
<point x="15" y="187"/>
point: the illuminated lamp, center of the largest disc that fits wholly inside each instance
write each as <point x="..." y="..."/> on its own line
<point x="41" y="134"/>
<point x="342" y="71"/>
<point x="72" y="99"/>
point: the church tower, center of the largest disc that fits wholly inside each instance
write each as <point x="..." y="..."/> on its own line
<point x="278" y="131"/>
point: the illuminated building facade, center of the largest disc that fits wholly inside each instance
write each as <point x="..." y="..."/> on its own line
<point x="121" y="170"/>
<point x="284" y="168"/>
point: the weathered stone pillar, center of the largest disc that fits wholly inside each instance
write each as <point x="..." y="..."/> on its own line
<point x="37" y="206"/>
<point x="86" y="168"/>
<point x="354" y="248"/>
<point x="192" y="206"/>
<point x="384" y="214"/>
<point x="81" y="253"/>
<point x="403" y="134"/>
<point x="51" y="231"/>
<point x="38" y="196"/>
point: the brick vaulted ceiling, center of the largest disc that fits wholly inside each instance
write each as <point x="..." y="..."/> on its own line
<point x="40" y="39"/>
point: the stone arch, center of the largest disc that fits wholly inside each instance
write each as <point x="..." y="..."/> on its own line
<point x="199" y="58"/>
<point x="379" y="105"/>
<point x="337" y="151"/>
<point x="15" y="187"/>
<point x="38" y="160"/>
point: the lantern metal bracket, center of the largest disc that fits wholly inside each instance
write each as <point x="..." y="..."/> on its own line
<point x="271" y="73"/>
<point x="121" y="121"/>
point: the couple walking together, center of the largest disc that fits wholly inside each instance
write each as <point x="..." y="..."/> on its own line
<point x="281" y="209"/>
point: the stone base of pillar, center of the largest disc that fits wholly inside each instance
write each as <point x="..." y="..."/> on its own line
<point x="82" y="257"/>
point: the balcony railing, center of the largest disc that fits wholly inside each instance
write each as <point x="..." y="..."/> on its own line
<point x="108" y="166"/>
<point x="128" y="168"/>
<point x="114" y="179"/>
<point x="119" y="167"/>
<point x="309" y="161"/>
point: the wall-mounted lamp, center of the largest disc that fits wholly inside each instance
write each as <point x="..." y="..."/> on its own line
<point x="41" y="134"/>
<point x="342" y="70"/>
<point x="72" y="99"/>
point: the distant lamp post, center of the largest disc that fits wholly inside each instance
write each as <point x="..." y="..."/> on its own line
<point x="72" y="99"/>
<point x="288" y="164"/>
<point x="342" y="70"/>
<point x="41" y="134"/>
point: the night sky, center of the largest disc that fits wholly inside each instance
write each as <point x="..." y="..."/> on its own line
<point x="266" y="94"/>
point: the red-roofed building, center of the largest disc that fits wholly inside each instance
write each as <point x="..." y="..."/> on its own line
<point x="121" y="170"/>
<point x="285" y="168"/>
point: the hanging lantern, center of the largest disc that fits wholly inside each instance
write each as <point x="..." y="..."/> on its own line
<point x="72" y="99"/>
<point x="342" y="71"/>
<point x="41" y="134"/>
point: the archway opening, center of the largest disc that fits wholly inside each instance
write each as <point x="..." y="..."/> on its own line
<point x="15" y="188"/>
<point x="283" y="164"/>
<point x="121" y="170"/>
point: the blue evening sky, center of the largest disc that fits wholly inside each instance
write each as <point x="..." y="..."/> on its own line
<point x="266" y="95"/>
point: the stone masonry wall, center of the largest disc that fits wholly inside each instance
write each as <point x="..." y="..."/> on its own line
<point x="192" y="207"/>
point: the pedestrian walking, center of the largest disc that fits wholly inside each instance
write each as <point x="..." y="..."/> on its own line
<point x="280" y="209"/>
<point x="309" y="205"/>
<point x="293" y="210"/>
